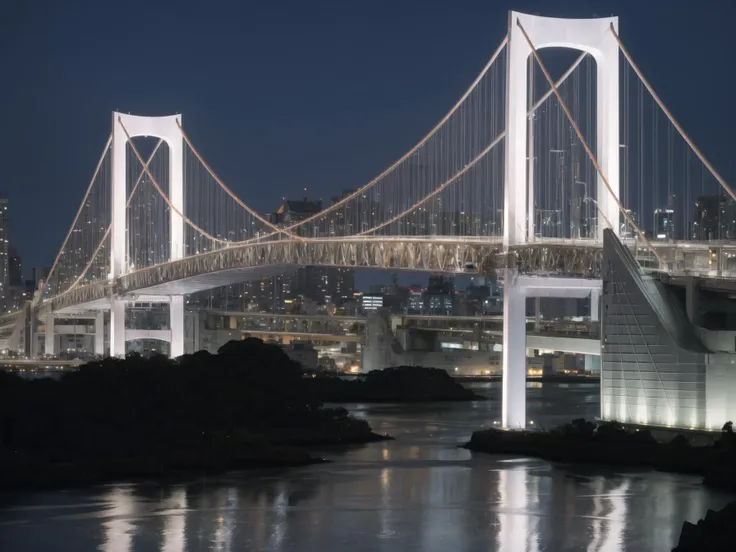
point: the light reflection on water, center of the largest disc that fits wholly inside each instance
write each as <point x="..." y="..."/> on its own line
<point x="419" y="492"/>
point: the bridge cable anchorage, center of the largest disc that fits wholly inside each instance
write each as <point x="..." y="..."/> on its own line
<point x="672" y="119"/>
<point x="161" y="192"/>
<point x="437" y="190"/>
<point x="589" y="151"/>
<point x="109" y="226"/>
<point x="232" y="195"/>
<point x="81" y="207"/>
<point x="414" y="149"/>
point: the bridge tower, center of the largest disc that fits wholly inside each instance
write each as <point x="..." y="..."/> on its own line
<point x="593" y="36"/>
<point x="167" y="129"/>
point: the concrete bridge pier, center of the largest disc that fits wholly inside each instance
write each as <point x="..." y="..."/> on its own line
<point x="100" y="333"/>
<point x="117" y="328"/>
<point x="176" y="324"/>
<point x="50" y="348"/>
<point x="593" y="362"/>
<point x="513" y="413"/>
<point x="515" y="292"/>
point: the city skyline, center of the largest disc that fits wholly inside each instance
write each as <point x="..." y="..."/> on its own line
<point x="268" y="149"/>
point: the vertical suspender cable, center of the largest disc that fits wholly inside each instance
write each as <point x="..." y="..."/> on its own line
<point x="587" y="148"/>
<point x="661" y="105"/>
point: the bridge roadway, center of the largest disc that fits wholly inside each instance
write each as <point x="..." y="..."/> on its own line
<point x="553" y="341"/>
<point x="563" y="336"/>
<point x="466" y="255"/>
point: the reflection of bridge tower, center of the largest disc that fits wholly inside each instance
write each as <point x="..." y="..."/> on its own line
<point x="595" y="37"/>
<point x="167" y="129"/>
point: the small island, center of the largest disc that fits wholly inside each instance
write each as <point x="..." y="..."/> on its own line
<point x="399" y="384"/>
<point x="247" y="406"/>
<point x="611" y="443"/>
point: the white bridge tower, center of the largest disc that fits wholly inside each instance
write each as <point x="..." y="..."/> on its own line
<point x="167" y="129"/>
<point x="593" y="36"/>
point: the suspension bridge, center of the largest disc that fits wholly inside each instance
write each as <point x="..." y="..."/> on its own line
<point x="521" y="177"/>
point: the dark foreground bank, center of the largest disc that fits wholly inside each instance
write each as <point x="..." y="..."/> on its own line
<point x="248" y="406"/>
<point x="610" y="443"/>
<point x="714" y="533"/>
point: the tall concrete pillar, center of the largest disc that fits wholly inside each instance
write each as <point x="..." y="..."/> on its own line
<point x="50" y="348"/>
<point x="513" y="409"/>
<point x="100" y="333"/>
<point x="197" y="332"/>
<point x="595" y="305"/>
<point x="537" y="313"/>
<point x="117" y="328"/>
<point x="176" y="323"/>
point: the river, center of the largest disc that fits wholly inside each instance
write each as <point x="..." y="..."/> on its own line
<point x="419" y="492"/>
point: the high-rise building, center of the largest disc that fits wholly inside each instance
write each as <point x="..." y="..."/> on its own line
<point x="341" y="283"/>
<point x="715" y="218"/>
<point x="371" y="302"/>
<point x="440" y="295"/>
<point x="15" y="268"/>
<point x="627" y="230"/>
<point x="664" y="224"/>
<point x="317" y="283"/>
<point x="4" y="254"/>
<point x="16" y="291"/>
<point x="415" y="303"/>
<point x="292" y="211"/>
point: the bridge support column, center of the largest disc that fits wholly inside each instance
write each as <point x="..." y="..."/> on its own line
<point x="514" y="353"/>
<point x="176" y="323"/>
<point x="117" y="328"/>
<point x="100" y="333"/>
<point x="197" y="332"/>
<point x="595" y="305"/>
<point x="50" y="348"/>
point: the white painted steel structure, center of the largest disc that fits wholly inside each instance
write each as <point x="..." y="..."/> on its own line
<point x="436" y="209"/>
<point x="125" y="127"/>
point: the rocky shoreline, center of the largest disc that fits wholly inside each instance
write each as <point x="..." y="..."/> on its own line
<point x="582" y="442"/>
<point x="404" y="384"/>
<point x="716" y="532"/>
<point x="249" y="406"/>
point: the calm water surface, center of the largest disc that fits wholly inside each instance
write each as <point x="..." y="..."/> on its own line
<point x="419" y="492"/>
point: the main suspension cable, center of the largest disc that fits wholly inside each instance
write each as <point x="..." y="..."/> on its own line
<point x="161" y="192"/>
<point x="587" y="148"/>
<point x="81" y="206"/>
<point x="438" y="189"/>
<point x="418" y="145"/>
<point x="109" y="226"/>
<point x="672" y="119"/>
<point x="495" y="141"/>
<point x="229" y="192"/>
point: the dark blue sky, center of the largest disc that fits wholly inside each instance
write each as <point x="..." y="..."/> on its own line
<point x="286" y="94"/>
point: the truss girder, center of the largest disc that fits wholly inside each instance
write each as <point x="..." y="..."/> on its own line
<point x="467" y="256"/>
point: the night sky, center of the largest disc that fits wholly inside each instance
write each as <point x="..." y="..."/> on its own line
<point x="284" y="95"/>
